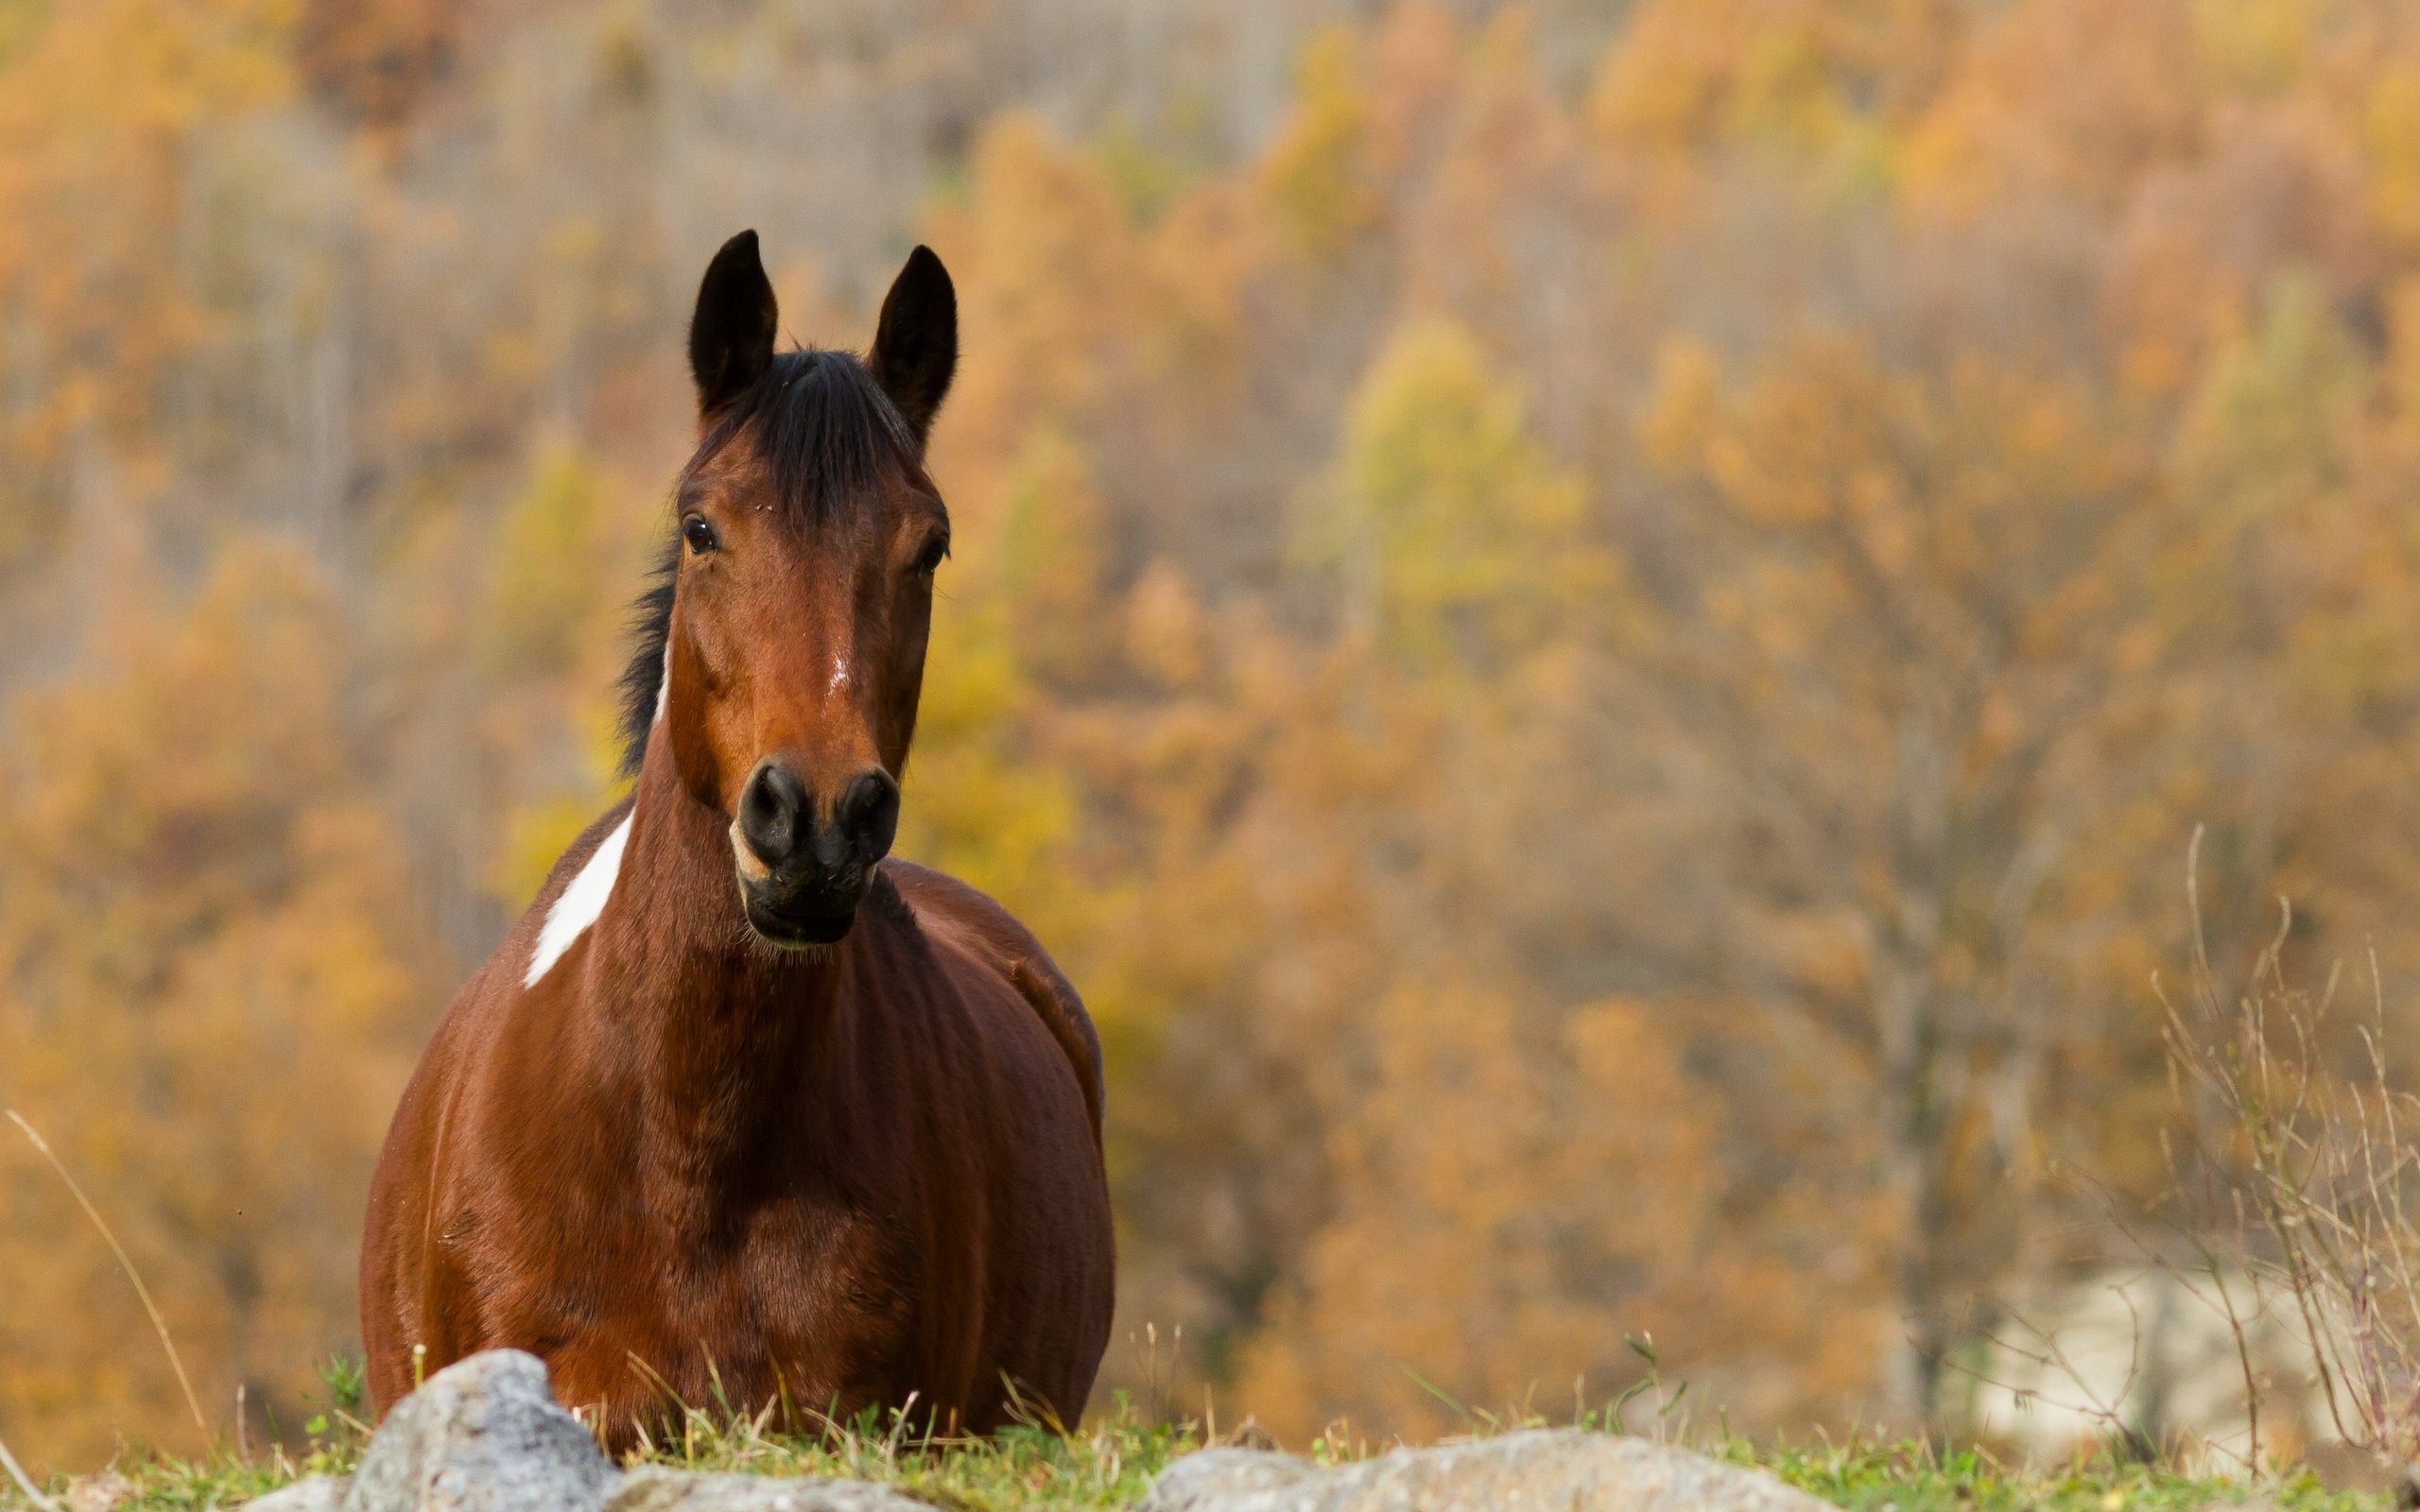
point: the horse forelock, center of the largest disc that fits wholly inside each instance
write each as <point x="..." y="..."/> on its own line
<point x="827" y="437"/>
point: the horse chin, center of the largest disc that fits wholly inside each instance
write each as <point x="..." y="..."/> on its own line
<point x="799" y="930"/>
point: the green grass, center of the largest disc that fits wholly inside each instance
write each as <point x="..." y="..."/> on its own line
<point x="1901" y="1477"/>
<point x="1110" y="1464"/>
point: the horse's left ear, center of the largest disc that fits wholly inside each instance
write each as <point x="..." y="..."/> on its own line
<point x="915" y="348"/>
<point x="731" y="334"/>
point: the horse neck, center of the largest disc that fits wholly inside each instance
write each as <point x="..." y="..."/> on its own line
<point x="716" y="1028"/>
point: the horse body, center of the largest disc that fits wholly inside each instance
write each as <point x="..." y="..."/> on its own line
<point x="681" y="1157"/>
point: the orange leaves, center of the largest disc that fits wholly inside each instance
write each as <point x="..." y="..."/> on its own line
<point x="117" y="95"/>
<point x="211" y="981"/>
<point x="2391" y="134"/>
<point x="1594" y="639"/>
<point x="376" y="58"/>
<point x="1048" y="259"/>
<point x="1519" y="1191"/>
<point x="2060" y="99"/>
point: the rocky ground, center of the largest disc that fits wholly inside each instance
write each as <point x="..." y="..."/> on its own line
<point x="486" y="1436"/>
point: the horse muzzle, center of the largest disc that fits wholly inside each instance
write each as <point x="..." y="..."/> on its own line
<point x="819" y="915"/>
<point x="803" y="875"/>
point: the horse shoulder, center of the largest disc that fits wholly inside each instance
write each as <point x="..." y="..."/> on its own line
<point x="484" y="1007"/>
<point x="404" y="1297"/>
<point x="950" y="910"/>
<point x="414" y="1198"/>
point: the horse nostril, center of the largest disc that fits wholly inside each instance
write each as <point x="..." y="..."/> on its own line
<point x="773" y="809"/>
<point x="868" y="815"/>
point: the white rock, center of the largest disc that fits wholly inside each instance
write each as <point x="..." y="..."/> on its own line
<point x="1546" y="1470"/>
<point x="98" y="1493"/>
<point x="654" y="1489"/>
<point x="318" y="1493"/>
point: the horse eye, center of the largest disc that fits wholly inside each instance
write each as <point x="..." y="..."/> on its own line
<point x="699" y="535"/>
<point x="930" y="559"/>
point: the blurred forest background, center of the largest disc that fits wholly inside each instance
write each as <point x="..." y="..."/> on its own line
<point x="1595" y="629"/>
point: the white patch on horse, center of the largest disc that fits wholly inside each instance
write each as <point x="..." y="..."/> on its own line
<point x="839" y="676"/>
<point x="663" y="689"/>
<point x="578" y="904"/>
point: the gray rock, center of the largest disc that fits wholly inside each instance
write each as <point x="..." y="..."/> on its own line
<point x="1549" y="1470"/>
<point x="654" y="1489"/>
<point x="483" y="1435"/>
<point x="318" y="1493"/>
<point x="98" y="1493"/>
<point x="1234" y="1478"/>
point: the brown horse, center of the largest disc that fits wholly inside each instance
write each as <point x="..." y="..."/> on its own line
<point x="743" y="1112"/>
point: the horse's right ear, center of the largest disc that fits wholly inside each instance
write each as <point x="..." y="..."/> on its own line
<point x="915" y="343"/>
<point x="731" y="335"/>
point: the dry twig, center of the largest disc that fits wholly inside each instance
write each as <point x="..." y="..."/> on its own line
<point x="158" y="1324"/>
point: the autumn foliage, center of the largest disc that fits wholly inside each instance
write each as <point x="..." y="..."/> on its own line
<point x="1595" y="631"/>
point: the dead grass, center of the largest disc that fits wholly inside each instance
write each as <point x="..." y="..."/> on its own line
<point x="2299" y="1162"/>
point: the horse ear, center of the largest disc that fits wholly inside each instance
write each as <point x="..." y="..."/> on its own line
<point x="731" y="335"/>
<point x="915" y="348"/>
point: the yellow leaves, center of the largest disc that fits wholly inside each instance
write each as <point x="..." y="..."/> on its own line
<point x="1782" y="92"/>
<point x="20" y="21"/>
<point x="559" y="563"/>
<point x="977" y="804"/>
<point x="2253" y="47"/>
<point x="2265" y="417"/>
<point x="549" y="558"/>
<point x="1682" y="407"/>
<point x="1454" y="536"/>
<point x="1315" y="174"/>
<point x="1051" y="558"/>
<point x="537" y="833"/>
<point x="1807" y="79"/>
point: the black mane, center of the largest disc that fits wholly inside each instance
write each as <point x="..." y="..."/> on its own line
<point x="827" y="434"/>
